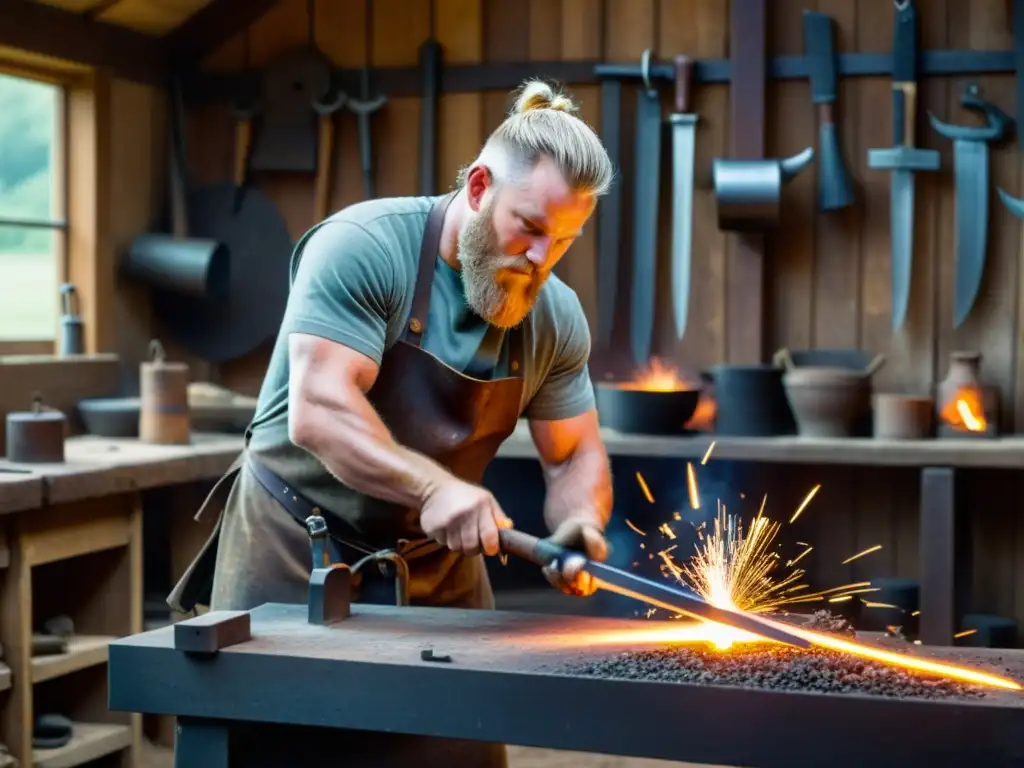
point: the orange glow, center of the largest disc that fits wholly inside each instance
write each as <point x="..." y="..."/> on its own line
<point x="724" y="637"/>
<point x="657" y="377"/>
<point x="965" y="412"/>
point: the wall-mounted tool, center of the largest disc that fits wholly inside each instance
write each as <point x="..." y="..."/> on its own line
<point x="904" y="159"/>
<point x="365" y="106"/>
<point x="72" y="331"/>
<point x="244" y="113"/>
<point x="287" y="136"/>
<point x="609" y="214"/>
<point x="431" y="62"/>
<point x="645" y="216"/>
<point x="325" y="154"/>
<point x="749" y="192"/>
<point x="684" y="138"/>
<point x="970" y="169"/>
<point x="36" y="436"/>
<point x="835" y="189"/>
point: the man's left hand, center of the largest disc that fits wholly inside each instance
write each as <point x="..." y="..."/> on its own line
<point x="588" y="539"/>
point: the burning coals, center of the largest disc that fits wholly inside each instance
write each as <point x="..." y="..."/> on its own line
<point x="774" y="667"/>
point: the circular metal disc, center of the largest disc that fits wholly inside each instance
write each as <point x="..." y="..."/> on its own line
<point x="259" y="248"/>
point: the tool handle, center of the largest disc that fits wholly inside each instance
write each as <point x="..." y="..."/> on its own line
<point x="530" y="548"/>
<point x="684" y="78"/>
<point x="904" y="107"/>
<point x="325" y="153"/>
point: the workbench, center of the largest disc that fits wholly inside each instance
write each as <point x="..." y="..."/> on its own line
<point x="257" y="700"/>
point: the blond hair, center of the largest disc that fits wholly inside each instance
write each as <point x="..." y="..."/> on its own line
<point x="545" y="122"/>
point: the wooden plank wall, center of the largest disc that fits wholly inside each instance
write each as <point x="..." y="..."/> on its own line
<point x="828" y="275"/>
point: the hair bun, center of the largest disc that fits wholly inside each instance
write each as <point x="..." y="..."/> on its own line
<point x="536" y="94"/>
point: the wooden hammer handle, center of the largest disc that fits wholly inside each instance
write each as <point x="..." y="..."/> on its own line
<point x="537" y="551"/>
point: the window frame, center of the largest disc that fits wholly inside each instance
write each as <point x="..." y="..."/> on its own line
<point x="83" y="157"/>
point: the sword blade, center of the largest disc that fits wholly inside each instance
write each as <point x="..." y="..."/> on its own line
<point x="683" y="601"/>
<point x="645" y="223"/>
<point x="902" y="224"/>
<point x="684" y="129"/>
<point x="970" y="164"/>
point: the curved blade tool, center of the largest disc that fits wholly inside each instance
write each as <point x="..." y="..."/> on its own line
<point x="970" y="168"/>
<point x="543" y="553"/>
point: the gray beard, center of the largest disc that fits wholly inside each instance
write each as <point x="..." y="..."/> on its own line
<point x="481" y="260"/>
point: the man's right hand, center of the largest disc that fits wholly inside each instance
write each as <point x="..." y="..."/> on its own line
<point x="463" y="517"/>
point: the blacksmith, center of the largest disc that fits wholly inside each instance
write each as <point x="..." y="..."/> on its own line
<point x="418" y="331"/>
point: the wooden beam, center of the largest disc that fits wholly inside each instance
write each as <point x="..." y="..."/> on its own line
<point x="55" y="33"/>
<point x="216" y="23"/>
<point x="745" y="306"/>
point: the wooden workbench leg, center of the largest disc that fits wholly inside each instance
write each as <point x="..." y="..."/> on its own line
<point x="944" y="554"/>
<point x="201" y="744"/>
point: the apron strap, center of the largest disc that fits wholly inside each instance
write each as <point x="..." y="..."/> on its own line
<point x="416" y="326"/>
<point x="429" y="247"/>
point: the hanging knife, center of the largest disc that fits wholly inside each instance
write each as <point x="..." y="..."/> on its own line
<point x="835" y="190"/>
<point x="970" y="173"/>
<point x="684" y="130"/>
<point x="645" y="217"/>
<point x="904" y="158"/>
<point x="543" y="553"/>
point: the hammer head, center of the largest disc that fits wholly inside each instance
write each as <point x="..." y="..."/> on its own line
<point x="903" y="159"/>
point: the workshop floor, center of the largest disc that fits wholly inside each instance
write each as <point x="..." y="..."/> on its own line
<point x="519" y="757"/>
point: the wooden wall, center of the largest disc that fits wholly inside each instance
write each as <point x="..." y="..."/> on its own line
<point x="828" y="275"/>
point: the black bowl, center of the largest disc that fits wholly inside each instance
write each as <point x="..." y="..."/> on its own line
<point x="628" y="409"/>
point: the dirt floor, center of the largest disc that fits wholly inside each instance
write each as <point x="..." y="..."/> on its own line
<point x="519" y="757"/>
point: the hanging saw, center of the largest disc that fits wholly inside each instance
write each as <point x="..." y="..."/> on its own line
<point x="545" y="553"/>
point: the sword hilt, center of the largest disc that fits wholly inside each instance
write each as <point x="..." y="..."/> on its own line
<point x="683" y="78"/>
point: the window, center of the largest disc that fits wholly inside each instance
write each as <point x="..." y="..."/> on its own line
<point x="32" y="208"/>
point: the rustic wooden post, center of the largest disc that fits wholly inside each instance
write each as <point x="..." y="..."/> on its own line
<point x="744" y="297"/>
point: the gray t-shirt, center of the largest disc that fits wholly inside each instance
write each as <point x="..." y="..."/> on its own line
<point x="352" y="281"/>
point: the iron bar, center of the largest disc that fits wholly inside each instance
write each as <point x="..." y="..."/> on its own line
<point x="33" y="223"/>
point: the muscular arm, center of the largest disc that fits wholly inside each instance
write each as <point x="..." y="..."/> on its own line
<point x="330" y="416"/>
<point x="576" y="470"/>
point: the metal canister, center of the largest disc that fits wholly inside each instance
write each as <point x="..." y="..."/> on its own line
<point x="163" y="399"/>
<point x="72" y="332"/>
<point x="36" y="436"/>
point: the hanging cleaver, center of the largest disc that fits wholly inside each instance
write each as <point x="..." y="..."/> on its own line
<point x="645" y="218"/>
<point x="684" y="130"/>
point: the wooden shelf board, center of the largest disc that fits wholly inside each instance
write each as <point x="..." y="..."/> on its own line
<point x="89" y="742"/>
<point x="83" y="651"/>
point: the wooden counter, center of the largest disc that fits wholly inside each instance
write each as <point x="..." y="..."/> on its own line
<point x="96" y="466"/>
<point x="990" y="453"/>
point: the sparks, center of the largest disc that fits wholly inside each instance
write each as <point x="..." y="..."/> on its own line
<point x="707" y="453"/>
<point x="804" y="503"/>
<point x="634" y="528"/>
<point x="691" y="486"/>
<point x="644" y="488"/>
<point x="867" y="551"/>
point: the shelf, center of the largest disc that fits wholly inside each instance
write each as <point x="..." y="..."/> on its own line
<point x="83" y="651"/>
<point x="5" y="677"/>
<point x="89" y="742"/>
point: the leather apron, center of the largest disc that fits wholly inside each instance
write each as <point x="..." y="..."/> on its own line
<point x="428" y="406"/>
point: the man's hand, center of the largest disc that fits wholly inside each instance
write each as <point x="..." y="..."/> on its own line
<point x="586" y="538"/>
<point x="463" y="517"/>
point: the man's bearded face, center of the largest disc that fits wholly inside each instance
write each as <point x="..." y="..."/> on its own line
<point x="501" y="289"/>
